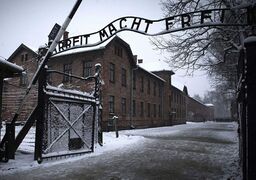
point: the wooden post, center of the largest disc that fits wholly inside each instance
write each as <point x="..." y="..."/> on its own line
<point x="250" y="46"/>
<point x="10" y="130"/>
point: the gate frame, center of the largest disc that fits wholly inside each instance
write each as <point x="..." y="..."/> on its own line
<point x="43" y="97"/>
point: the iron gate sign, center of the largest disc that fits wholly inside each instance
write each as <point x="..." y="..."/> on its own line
<point x="212" y="17"/>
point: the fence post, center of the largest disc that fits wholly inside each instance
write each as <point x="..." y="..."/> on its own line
<point x="115" y="118"/>
<point x="40" y="116"/>
<point x="98" y="109"/>
<point x="250" y="81"/>
<point x="10" y="130"/>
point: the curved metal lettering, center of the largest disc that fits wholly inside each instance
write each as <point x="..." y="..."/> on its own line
<point x="197" y="19"/>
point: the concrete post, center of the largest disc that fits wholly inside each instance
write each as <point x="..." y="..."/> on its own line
<point x="250" y="46"/>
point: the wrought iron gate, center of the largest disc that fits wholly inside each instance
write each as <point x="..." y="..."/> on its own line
<point x="67" y="121"/>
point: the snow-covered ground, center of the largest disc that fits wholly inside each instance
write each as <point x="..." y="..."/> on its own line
<point x="193" y="150"/>
<point x="24" y="157"/>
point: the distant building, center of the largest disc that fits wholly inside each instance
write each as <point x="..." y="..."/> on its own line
<point x="138" y="97"/>
<point x="199" y="112"/>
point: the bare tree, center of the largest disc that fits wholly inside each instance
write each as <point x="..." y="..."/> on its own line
<point x="205" y="47"/>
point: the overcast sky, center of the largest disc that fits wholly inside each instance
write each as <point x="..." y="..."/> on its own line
<point x="30" y="21"/>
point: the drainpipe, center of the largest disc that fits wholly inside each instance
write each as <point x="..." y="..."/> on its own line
<point x="162" y="104"/>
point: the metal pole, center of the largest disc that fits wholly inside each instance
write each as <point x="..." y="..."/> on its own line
<point x="48" y="54"/>
<point x="55" y="42"/>
<point x="40" y="117"/>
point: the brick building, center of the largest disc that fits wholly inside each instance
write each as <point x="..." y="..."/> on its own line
<point x="174" y="101"/>
<point x="198" y="111"/>
<point x="138" y="97"/>
<point x="129" y="91"/>
<point x="14" y="88"/>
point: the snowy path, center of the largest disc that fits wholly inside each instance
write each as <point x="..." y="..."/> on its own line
<point x="192" y="151"/>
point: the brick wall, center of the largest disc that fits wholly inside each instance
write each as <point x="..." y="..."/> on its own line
<point x="174" y="100"/>
<point x="198" y="112"/>
<point x="15" y="88"/>
<point x="148" y="97"/>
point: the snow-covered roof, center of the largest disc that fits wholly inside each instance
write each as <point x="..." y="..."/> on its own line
<point x="18" y="49"/>
<point x="209" y="104"/>
<point x="151" y="74"/>
<point x="9" y="69"/>
<point x="80" y="50"/>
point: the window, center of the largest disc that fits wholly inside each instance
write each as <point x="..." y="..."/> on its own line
<point x="123" y="105"/>
<point x="23" y="79"/>
<point x="67" y="68"/>
<point x="154" y="88"/>
<point x="154" y="106"/>
<point x="142" y="84"/>
<point x="111" y="104"/>
<point x="141" y="109"/>
<point x="134" y="108"/>
<point x="24" y="57"/>
<point x="148" y="86"/>
<point x="118" y="51"/>
<point x="123" y="77"/>
<point x="112" y="72"/>
<point x="148" y="109"/>
<point x="87" y="69"/>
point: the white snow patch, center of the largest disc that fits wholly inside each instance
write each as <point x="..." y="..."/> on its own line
<point x="24" y="158"/>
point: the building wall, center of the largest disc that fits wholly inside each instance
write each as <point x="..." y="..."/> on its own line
<point x="174" y="100"/>
<point x="139" y="98"/>
<point x="199" y="112"/>
<point x="166" y="76"/>
<point x="15" y="88"/>
<point x="118" y="88"/>
<point x="178" y="106"/>
<point x="148" y="97"/>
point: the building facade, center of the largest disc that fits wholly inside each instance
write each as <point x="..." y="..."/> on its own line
<point x="14" y="89"/>
<point x="138" y="97"/>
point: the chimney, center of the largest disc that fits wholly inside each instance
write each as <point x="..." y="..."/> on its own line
<point x="65" y="35"/>
<point x="135" y="58"/>
<point x="140" y="61"/>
